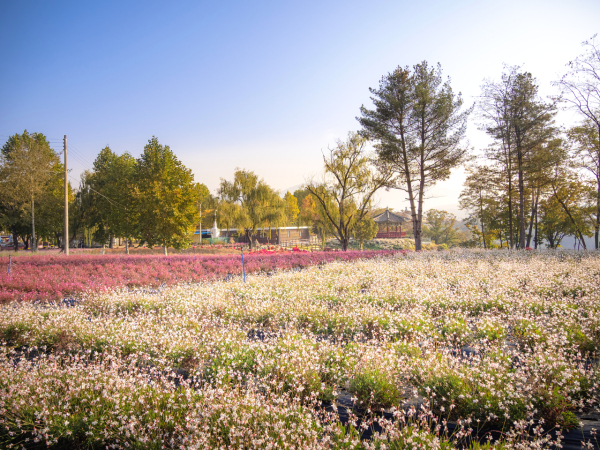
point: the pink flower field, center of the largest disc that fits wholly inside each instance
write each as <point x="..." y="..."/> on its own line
<point x="47" y="278"/>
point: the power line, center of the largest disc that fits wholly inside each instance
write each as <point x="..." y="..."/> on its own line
<point x="79" y="160"/>
<point x="81" y="156"/>
<point x="109" y="199"/>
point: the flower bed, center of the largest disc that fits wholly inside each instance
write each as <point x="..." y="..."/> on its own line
<point x="476" y="342"/>
<point x="56" y="277"/>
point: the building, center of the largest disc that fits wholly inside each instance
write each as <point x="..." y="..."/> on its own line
<point x="390" y="225"/>
<point x="275" y="236"/>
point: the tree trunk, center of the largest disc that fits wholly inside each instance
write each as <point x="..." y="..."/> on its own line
<point x="535" y="195"/>
<point x="419" y="221"/>
<point x="344" y="242"/>
<point x="521" y="201"/>
<point x="597" y="225"/>
<point x="165" y="250"/>
<point x="578" y="233"/>
<point x="111" y="240"/>
<point x="418" y="233"/>
<point x="33" y="238"/>
<point x="127" y="246"/>
<point x="249" y="238"/>
<point x="481" y="220"/>
<point x="15" y="238"/>
<point x="510" y="216"/>
<point x="535" y="239"/>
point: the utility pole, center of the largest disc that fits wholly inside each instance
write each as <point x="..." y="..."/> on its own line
<point x="66" y="236"/>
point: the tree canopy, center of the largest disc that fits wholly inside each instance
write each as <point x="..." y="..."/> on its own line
<point x="419" y="125"/>
<point x="345" y="196"/>
<point x="166" y="198"/>
<point x="260" y="205"/>
<point x="30" y="172"/>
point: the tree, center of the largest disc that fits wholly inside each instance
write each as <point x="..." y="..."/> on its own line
<point x="13" y="218"/>
<point x="520" y="124"/>
<point x="112" y="189"/>
<point x="207" y="204"/>
<point x="300" y="195"/>
<point x="419" y="126"/>
<point x="166" y="198"/>
<point x="291" y="208"/>
<point x="49" y="217"/>
<point x="580" y="89"/>
<point x="307" y="210"/>
<point x="27" y="168"/>
<point x="586" y="148"/>
<point x="554" y="222"/>
<point x="441" y="227"/>
<point x="344" y="197"/>
<point x="477" y="198"/>
<point x="228" y="214"/>
<point x="260" y="205"/>
<point x="365" y="230"/>
<point x="570" y="192"/>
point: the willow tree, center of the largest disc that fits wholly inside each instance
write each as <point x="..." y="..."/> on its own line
<point x="259" y="204"/>
<point x="344" y="197"/>
<point x="419" y="126"/>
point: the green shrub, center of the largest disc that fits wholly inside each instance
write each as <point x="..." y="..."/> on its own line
<point x="456" y="331"/>
<point x="528" y="334"/>
<point x="374" y="388"/>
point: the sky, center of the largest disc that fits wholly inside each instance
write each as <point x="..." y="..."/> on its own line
<point x="264" y="85"/>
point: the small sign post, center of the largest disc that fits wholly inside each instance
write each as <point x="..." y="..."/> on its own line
<point x="243" y="267"/>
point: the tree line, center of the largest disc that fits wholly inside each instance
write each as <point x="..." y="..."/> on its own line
<point x="535" y="184"/>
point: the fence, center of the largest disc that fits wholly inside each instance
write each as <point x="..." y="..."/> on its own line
<point x="311" y="243"/>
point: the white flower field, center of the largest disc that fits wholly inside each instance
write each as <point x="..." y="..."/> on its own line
<point x="421" y="350"/>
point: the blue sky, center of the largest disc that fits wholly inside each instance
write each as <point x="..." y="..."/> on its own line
<point x="261" y="85"/>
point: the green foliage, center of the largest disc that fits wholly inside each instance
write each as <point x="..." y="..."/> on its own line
<point x="528" y="334"/>
<point x="260" y="205"/>
<point x="365" y="230"/>
<point x="491" y="330"/>
<point x="108" y="196"/>
<point x="300" y="195"/>
<point x="344" y="199"/>
<point x="291" y="208"/>
<point x="375" y="389"/>
<point x="418" y="126"/>
<point x="570" y="192"/>
<point x="479" y="199"/>
<point x="30" y="180"/>
<point x="585" y="143"/>
<point x="166" y="198"/>
<point x="456" y="331"/>
<point x="441" y="228"/>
